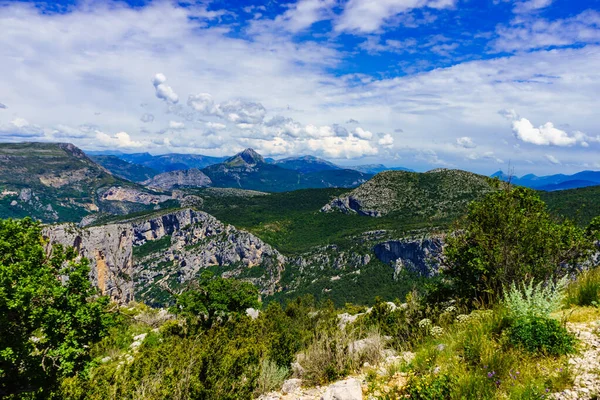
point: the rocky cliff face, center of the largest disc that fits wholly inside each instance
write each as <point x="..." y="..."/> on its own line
<point x="193" y="241"/>
<point x="422" y="256"/>
<point x="179" y="179"/>
<point x="149" y="257"/>
<point x="109" y="250"/>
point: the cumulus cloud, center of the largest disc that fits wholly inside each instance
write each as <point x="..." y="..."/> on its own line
<point x="386" y="141"/>
<point x="365" y="16"/>
<point x="146" y="118"/>
<point x="363" y="134"/>
<point x="552" y="159"/>
<point x="543" y="135"/>
<point x="2" y="106"/>
<point x="120" y="139"/>
<point x="352" y="121"/>
<point x="164" y="91"/>
<point x="465" y="142"/>
<point x="236" y="111"/>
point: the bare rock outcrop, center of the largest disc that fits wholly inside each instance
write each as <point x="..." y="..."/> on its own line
<point x="178" y="179"/>
<point x="194" y="240"/>
<point x="109" y="251"/>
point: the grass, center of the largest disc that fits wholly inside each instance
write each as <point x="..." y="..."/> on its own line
<point x="585" y="291"/>
<point x="472" y="360"/>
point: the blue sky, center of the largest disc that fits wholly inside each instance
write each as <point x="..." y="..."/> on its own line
<point x="471" y="84"/>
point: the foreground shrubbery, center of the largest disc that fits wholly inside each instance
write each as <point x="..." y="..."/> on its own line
<point x="483" y="330"/>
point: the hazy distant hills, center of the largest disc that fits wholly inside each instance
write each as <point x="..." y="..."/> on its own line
<point x="172" y="162"/>
<point x="249" y="170"/>
<point x="554" y="182"/>
<point x="124" y="169"/>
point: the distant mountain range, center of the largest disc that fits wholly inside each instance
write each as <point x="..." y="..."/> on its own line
<point x="172" y="162"/>
<point x="552" y="183"/>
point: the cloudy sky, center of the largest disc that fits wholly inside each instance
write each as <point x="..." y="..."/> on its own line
<point x="475" y="84"/>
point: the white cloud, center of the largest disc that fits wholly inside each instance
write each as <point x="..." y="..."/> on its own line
<point x="20" y="128"/>
<point x="363" y="134"/>
<point x="290" y="78"/>
<point x="120" y="139"/>
<point x="216" y="125"/>
<point x="366" y="16"/>
<point x="163" y="91"/>
<point x="552" y="159"/>
<point x="2" y="106"/>
<point x="537" y="33"/>
<point x="236" y="111"/>
<point x="386" y="141"/>
<point x="304" y="13"/>
<point x="544" y="135"/>
<point x="465" y="142"/>
<point x="176" y="125"/>
<point x="526" y="6"/>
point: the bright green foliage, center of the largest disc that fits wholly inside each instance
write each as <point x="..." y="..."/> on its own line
<point x="215" y="299"/>
<point x="430" y="387"/>
<point x="48" y="312"/>
<point x="541" y="335"/>
<point x="509" y="236"/>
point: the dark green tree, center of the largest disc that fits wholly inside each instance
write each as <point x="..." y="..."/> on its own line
<point x="510" y="236"/>
<point x="215" y="299"/>
<point x="49" y="312"/>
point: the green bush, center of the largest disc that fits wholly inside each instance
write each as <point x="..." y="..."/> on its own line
<point x="271" y="377"/>
<point x="529" y="300"/>
<point x="430" y="387"/>
<point x="541" y="334"/>
<point x="508" y="237"/>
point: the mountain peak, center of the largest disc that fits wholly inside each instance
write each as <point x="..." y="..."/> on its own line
<point x="248" y="157"/>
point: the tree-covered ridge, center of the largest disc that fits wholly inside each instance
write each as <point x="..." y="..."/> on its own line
<point x="437" y="194"/>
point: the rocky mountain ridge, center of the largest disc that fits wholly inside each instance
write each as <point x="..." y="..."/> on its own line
<point x="193" y="240"/>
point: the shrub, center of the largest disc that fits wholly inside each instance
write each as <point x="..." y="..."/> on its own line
<point x="585" y="291"/>
<point x="430" y="387"/>
<point x="271" y="376"/>
<point x="507" y="237"/>
<point x="534" y="300"/>
<point x="541" y="334"/>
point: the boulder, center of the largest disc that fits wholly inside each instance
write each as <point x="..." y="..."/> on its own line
<point x="348" y="389"/>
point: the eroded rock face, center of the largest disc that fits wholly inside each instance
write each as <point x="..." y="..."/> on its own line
<point x="181" y="178"/>
<point x="118" y="193"/>
<point x="198" y="241"/>
<point x="422" y="256"/>
<point x="109" y="251"/>
<point x="195" y="241"/>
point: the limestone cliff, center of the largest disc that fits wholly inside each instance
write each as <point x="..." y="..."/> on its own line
<point x="422" y="256"/>
<point x="179" y="179"/>
<point x="109" y="251"/>
<point x="153" y="255"/>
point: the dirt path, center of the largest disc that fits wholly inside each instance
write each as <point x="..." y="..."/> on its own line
<point x="586" y="366"/>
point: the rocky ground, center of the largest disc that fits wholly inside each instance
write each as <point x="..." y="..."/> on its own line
<point x="586" y="365"/>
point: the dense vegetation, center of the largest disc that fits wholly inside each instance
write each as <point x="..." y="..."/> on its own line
<point x="49" y="314"/>
<point x="485" y="328"/>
